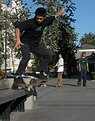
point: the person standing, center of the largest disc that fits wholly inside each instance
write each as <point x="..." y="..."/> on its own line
<point x="60" y="70"/>
<point x="82" y="69"/>
<point x="28" y="36"/>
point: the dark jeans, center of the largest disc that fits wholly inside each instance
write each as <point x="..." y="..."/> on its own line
<point x="82" y="75"/>
<point x="41" y="51"/>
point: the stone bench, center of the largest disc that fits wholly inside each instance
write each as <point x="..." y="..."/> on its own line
<point x="12" y="100"/>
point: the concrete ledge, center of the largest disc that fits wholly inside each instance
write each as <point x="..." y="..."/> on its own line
<point x="29" y="103"/>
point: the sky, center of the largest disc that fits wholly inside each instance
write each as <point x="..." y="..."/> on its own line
<point x="84" y="15"/>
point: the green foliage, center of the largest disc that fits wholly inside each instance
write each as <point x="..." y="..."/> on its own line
<point x="93" y="75"/>
<point x="88" y="39"/>
<point x="67" y="44"/>
<point x="1" y="74"/>
<point x="60" y="36"/>
<point x="50" y="36"/>
<point x="10" y="13"/>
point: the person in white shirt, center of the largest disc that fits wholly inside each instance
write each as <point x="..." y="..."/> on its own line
<point x="60" y="70"/>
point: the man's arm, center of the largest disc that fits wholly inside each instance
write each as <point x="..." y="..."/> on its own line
<point x="87" y="67"/>
<point x="21" y="26"/>
<point x="50" y="19"/>
<point x="79" y="67"/>
<point x="55" y="65"/>
<point x="18" y="41"/>
<point x="60" y="12"/>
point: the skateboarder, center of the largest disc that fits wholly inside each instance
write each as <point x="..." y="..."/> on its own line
<point x="28" y="36"/>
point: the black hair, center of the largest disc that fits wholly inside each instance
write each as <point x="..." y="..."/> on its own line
<point x="83" y="54"/>
<point x="40" y="12"/>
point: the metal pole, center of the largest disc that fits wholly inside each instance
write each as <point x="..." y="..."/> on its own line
<point x="5" y="45"/>
<point x="5" y="52"/>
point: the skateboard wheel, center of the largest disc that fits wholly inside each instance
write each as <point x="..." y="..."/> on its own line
<point x="29" y="89"/>
<point x="19" y="87"/>
<point x="44" y="85"/>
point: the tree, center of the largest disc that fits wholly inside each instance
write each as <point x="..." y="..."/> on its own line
<point x="60" y="36"/>
<point x="11" y="11"/>
<point x="66" y="43"/>
<point x="88" y="38"/>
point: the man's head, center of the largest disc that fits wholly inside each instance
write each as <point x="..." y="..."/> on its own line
<point x="60" y="55"/>
<point x="83" y="54"/>
<point x="40" y="14"/>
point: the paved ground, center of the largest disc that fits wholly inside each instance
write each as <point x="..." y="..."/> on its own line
<point x="67" y="103"/>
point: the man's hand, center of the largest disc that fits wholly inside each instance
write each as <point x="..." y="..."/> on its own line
<point x="54" y="67"/>
<point x="18" y="41"/>
<point x="60" y="12"/>
<point x="18" y="44"/>
<point x="87" y="70"/>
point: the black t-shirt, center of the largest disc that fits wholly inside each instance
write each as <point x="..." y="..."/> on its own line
<point x="32" y="31"/>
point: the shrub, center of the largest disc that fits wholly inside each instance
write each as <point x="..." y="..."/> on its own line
<point x="93" y="75"/>
<point x="1" y="74"/>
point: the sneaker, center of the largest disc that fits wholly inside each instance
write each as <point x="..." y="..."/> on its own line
<point x="44" y="73"/>
<point x="35" y="99"/>
<point x="44" y="85"/>
<point x="17" y="80"/>
<point x="39" y="75"/>
<point x="84" y="85"/>
<point x="79" y="84"/>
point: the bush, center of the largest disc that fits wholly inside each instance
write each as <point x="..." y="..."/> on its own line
<point x="93" y="75"/>
<point x="1" y="74"/>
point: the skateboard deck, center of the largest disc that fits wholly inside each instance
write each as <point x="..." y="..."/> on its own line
<point x="32" y="84"/>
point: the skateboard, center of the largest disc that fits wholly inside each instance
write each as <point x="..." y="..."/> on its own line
<point x="30" y="86"/>
<point x="34" y="82"/>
